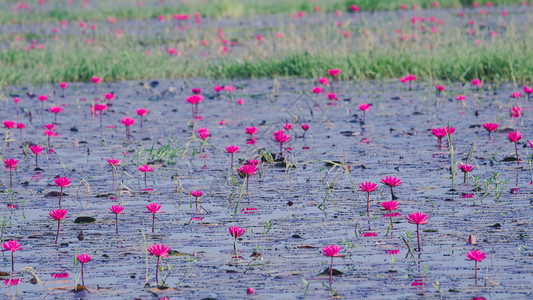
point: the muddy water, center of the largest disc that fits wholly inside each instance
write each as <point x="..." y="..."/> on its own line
<point x="304" y="214"/>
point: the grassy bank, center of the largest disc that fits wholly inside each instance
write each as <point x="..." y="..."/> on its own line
<point x="495" y="48"/>
<point x="500" y="62"/>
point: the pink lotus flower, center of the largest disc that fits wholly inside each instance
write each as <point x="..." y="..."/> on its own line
<point x="83" y="259"/>
<point x="390" y="206"/>
<point x="331" y="251"/>
<point x="461" y="97"/>
<point x="516" y="95"/>
<point x="465" y="168"/>
<point x="334" y="72"/>
<point x="62" y="182"/>
<point x="391" y="182"/>
<point x="232" y="149"/>
<point x="42" y="98"/>
<point x="490" y="127"/>
<point x="145" y="169"/>
<point x="128" y="122"/>
<point x="142" y="112"/>
<point x="96" y="80"/>
<point x="235" y="232"/>
<point x="60" y="275"/>
<point x="514" y="137"/>
<point x="368" y="187"/>
<point x="218" y="88"/>
<point x="417" y="218"/>
<point x="160" y="251"/>
<point x="116" y="209"/>
<point x="9" y="124"/>
<point x="197" y="195"/>
<point x="248" y="170"/>
<point x="12" y="282"/>
<point x="109" y="96"/>
<point x="516" y="112"/>
<point x="36" y="149"/>
<point x="439" y="133"/>
<point x="305" y="127"/>
<point x="55" y="109"/>
<point x="58" y="215"/>
<point x="281" y="138"/>
<point x="113" y="162"/>
<point x="251" y="131"/>
<point x="12" y="246"/>
<point x="323" y="80"/>
<point x="63" y="85"/>
<point x="476" y="256"/>
<point x="476" y="82"/>
<point x="10" y="164"/>
<point x="364" y="107"/>
<point x="317" y="90"/>
<point x="369" y="234"/>
<point x="21" y="126"/>
<point x="153" y="208"/>
<point x="203" y="133"/>
<point x="229" y="88"/>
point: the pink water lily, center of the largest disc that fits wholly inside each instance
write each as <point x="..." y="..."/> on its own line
<point x="160" y="251"/>
<point x="153" y="208"/>
<point x="514" y="137"/>
<point x="331" y="251"/>
<point x="12" y="246"/>
<point x="390" y="206"/>
<point x="236" y="232"/>
<point x="476" y="256"/>
<point x="417" y="218"/>
<point x="391" y="182"/>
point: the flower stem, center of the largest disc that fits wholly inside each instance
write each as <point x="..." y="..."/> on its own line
<point x="367" y="202"/>
<point x="235" y="247"/>
<point x="418" y="236"/>
<point x="157" y="271"/>
<point x="516" y="149"/>
<point x="153" y="222"/>
<point x="82" y="279"/>
<point x="60" y="196"/>
<point x="57" y="235"/>
<point x="476" y="271"/>
<point x="331" y="271"/>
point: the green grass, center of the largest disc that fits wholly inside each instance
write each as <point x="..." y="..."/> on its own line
<point x="305" y="51"/>
<point x="497" y="63"/>
<point x="215" y="9"/>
